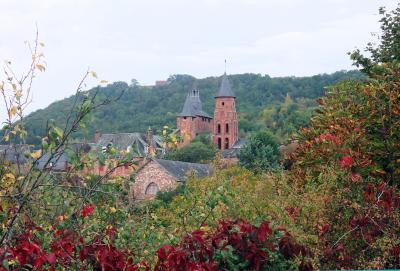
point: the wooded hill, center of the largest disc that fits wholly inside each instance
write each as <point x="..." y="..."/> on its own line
<point x="281" y="104"/>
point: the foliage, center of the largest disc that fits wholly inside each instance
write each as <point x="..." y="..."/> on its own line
<point x="234" y="245"/>
<point x="388" y="49"/>
<point x="199" y="150"/>
<point x="260" y="152"/>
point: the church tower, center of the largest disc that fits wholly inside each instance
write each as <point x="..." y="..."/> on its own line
<point x="193" y="121"/>
<point x="225" y="117"/>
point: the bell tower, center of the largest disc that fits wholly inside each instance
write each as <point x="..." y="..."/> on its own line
<point x="225" y="132"/>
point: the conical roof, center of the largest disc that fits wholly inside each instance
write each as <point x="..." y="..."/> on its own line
<point x="192" y="106"/>
<point x="225" y="89"/>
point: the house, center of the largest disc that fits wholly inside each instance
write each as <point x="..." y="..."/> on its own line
<point x="163" y="175"/>
<point x="60" y="161"/>
<point x="15" y="154"/>
<point x="142" y="144"/>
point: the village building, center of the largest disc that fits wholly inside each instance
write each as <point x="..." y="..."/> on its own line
<point x="193" y="121"/>
<point x="223" y="128"/>
<point x="158" y="175"/>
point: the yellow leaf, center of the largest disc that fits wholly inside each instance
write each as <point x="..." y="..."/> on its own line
<point x="9" y="176"/>
<point x="40" y="67"/>
<point x="41" y="44"/>
<point x="103" y="82"/>
<point x="13" y="111"/>
<point x="94" y="74"/>
<point x="113" y="210"/>
<point x="36" y="154"/>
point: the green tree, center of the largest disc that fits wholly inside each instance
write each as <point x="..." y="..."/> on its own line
<point x="260" y="153"/>
<point x="388" y="49"/>
<point x="200" y="150"/>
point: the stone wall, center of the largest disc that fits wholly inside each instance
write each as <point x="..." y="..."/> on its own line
<point x="151" y="173"/>
<point x="191" y="126"/>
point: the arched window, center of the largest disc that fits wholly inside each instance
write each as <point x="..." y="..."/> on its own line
<point x="152" y="189"/>
<point x="227" y="128"/>
<point x="219" y="128"/>
<point x="219" y="143"/>
<point x="226" y="143"/>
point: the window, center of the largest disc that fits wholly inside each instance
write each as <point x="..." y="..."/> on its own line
<point x="152" y="189"/>
<point x="184" y="118"/>
<point x="227" y="128"/>
<point x="219" y="143"/>
<point x="226" y="143"/>
<point x="219" y="128"/>
<point x="223" y="103"/>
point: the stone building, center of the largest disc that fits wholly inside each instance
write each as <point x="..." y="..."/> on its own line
<point x="163" y="175"/>
<point x="223" y="128"/>
<point x="225" y="118"/>
<point x="193" y="121"/>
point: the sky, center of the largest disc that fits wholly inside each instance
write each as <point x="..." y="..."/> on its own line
<point x="150" y="40"/>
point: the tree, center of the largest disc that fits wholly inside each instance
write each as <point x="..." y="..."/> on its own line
<point x="260" y="153"/>
<point x="199" y="150"/>
<point x="388" y="49"/>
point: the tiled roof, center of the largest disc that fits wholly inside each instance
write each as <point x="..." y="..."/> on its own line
<point x="58" y="162"/>
<point x="180" y="169"/>
<point x="14" y="153"/>
<point x="125" y="141"/>
<point x="192" y="106"/>
<point x="225" y="89"/>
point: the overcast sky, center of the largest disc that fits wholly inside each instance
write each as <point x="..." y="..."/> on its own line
<point x="151" y="39"/>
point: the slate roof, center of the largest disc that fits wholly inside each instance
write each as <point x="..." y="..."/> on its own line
<point x="180" y="169"/>
<point x="125" y="141"/>
<point x="225" y="89"/>
<point x="192" y="106"/>
<point x="239" y="144"/>
<point x="235" y="149"/>
<point x="15" y="154"/>
<point x="59" y="162"/>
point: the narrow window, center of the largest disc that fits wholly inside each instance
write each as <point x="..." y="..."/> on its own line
<point x="226" y="143"/>
<point x="219" y="143"/>
<point x="223" y="103"/>
<point x="152" y="189"/>
<point x="227" y="128"/>
<point x="219" y="128"/>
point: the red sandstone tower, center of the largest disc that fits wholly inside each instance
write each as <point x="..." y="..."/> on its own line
<point x="193" y="120"/>
<point x="225" y="117"/>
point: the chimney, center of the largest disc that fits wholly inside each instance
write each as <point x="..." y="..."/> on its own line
<point x="150" y="143"/>
<point x="96" y="136"/>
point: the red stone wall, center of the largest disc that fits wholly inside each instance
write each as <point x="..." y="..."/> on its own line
<point x="122" y="171"/>
<point x="225" y="114"/>
<point x="151" y="173"/>
<point x="191" y="126"/>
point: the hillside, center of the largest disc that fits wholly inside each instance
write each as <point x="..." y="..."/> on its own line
<point x="259" y="101"/>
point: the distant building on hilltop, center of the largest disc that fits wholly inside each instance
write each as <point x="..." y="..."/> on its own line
<point x="160" y="83"/>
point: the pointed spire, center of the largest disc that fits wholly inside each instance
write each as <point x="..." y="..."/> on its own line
<point x="225" y="89"/>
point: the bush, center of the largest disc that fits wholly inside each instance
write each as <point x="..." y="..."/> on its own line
<point x="260" y="153"/>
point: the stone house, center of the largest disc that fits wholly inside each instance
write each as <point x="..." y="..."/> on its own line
<point x="163" y="175"/>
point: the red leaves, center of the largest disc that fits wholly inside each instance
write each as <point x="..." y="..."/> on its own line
<point x="87" y="210"/>
<point x="249" y="244"/>
<point x="263" y="231"/>
<point x="346" y="162"/>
